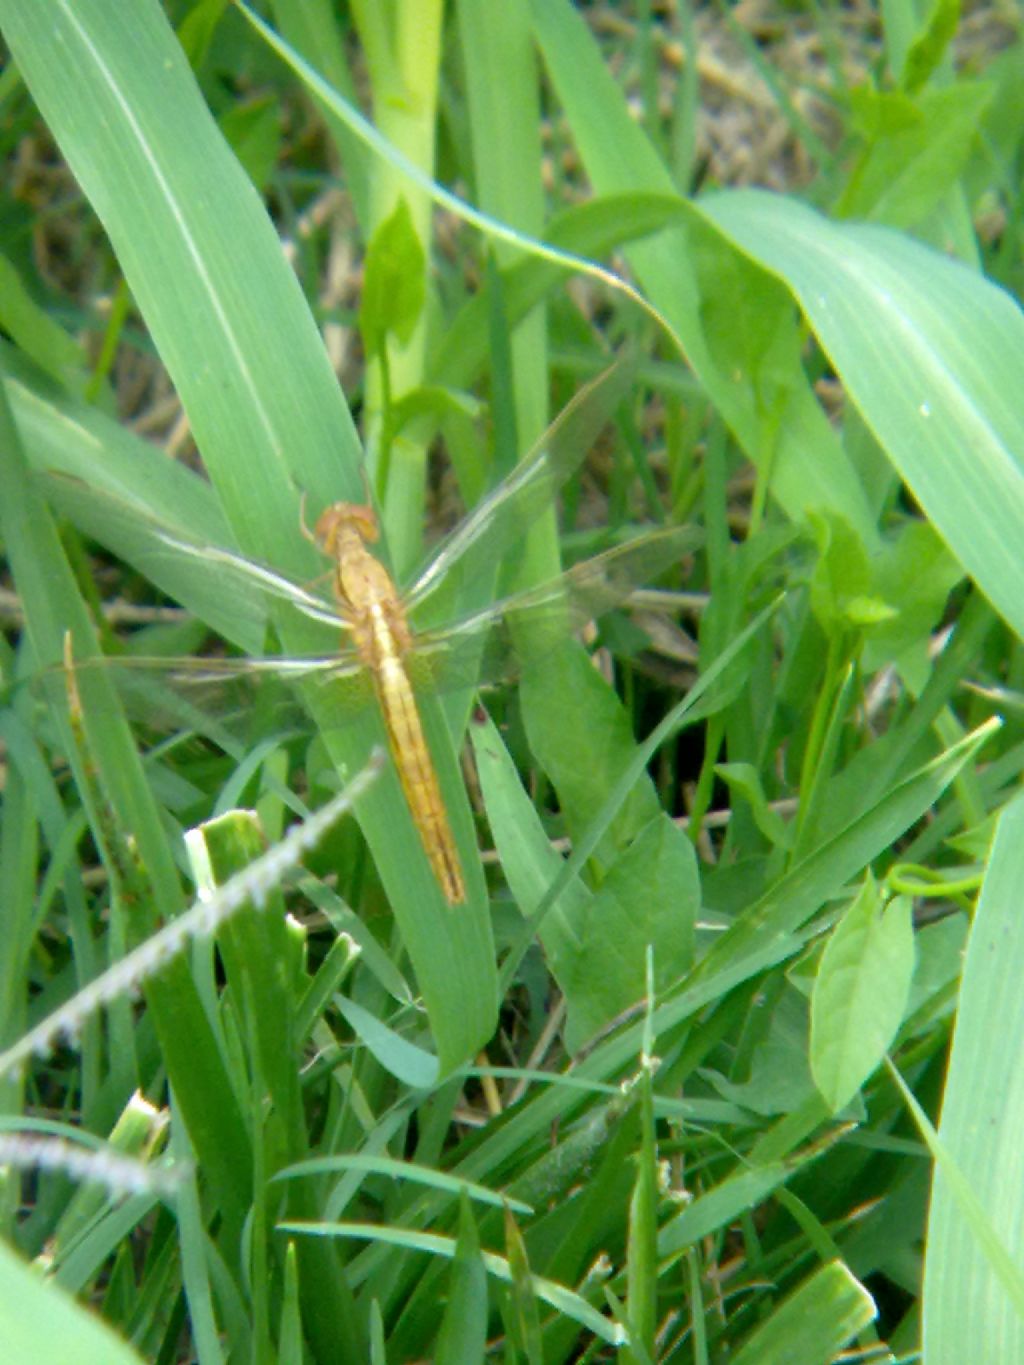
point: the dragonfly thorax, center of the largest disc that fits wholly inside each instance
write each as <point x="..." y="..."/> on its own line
<point x="344" y="523"/>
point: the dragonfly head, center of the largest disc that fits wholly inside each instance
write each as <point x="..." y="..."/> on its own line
<point x="345" y="517"/>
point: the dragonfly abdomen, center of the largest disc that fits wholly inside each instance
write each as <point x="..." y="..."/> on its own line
<point x="416" y="771"/>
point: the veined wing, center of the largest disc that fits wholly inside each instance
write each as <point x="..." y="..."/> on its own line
<point x="478" y="647"/>
<point x="235" y="596"/>
<point x="507" y="513"/>
<point x="227" y="701"/>
<point x="487" y="646"/>
<point x="493" y="644"/>
<point x="248" y="592"/>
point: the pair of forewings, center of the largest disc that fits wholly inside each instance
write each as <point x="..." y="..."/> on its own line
<point x="485" y="642"/>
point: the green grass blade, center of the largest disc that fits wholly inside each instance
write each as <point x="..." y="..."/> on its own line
<point x="197" y="1281"/>
<point x="642" y="1252"/>
<point x="548" y="1291"/>
<point x="973" y="1286"/>
<point x="462" y="1339"/>
<point x="201" y="257"/>
<point x="814" y="1323"/>
<point x="262" y="960"/>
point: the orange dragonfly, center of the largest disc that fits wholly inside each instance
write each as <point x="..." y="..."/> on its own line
<point x="383" y="638"/>
<point x="388" y="659"/>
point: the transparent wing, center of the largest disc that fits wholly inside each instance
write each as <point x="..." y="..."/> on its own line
<point x="227" y="700"/>
<point x="491" y="645"/>
<point x="234" y="595"/>
<point x="487" y="646"/>
<point x="506" y="514"/>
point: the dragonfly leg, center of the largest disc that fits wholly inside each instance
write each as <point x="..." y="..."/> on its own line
<point x="303" y="524"/>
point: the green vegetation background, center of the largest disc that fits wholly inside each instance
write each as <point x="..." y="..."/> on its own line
<point x="669" y="1087"/>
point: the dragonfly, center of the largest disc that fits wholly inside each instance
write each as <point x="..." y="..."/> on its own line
<point x="385" y="657"/>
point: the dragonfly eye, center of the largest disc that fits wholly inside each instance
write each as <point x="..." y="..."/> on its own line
<point x="340" y="517"/>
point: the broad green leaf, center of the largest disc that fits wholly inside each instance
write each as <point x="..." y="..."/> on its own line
<point x="595" y="942"/>
<point x="780" y="1079"/>
<point x="916" y="573"/>
<point x="940" y="951"/>
<point x="842" y="575"/>
<point x="932" y="355"/>
<point x="529" y="862"/>
<point x="860" y="994"/>
<point x="647" y="902"/>
<point x="745" y="781"/>
<point x="253" y="131"/>
<point x="394" y="290"/>
<point x="409" y="1063"/>
<point x="917" y="151"/>
<point x="581" y="735"/>
<point x="814" y="1323"/>
<point x="39" y="1321"/>
<point x="196" y="30"/>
